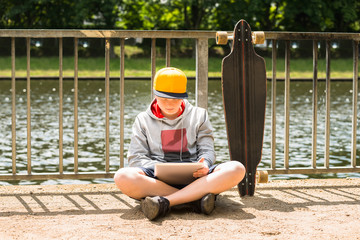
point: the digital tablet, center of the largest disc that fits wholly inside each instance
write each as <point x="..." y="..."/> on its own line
<point x="177" y="173"/>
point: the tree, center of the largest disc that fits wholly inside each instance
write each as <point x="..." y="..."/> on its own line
<point x="167" y="14"/>
<point x="195" y="13"/>
<point x="262" y="15"/>
<point x="41" y="14"/>
<point x="321" y="15"/>
<point x="55" y="14"/>
<point x="101" y="14"/>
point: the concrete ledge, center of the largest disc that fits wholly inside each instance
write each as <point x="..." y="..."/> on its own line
<point x="291" y="209"/>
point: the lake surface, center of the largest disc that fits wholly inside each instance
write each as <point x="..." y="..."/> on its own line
<point x="91" y="112"/>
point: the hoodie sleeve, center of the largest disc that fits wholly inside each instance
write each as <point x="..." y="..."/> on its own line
<point x="139" y="154"/>
<point x="205" y="141"/>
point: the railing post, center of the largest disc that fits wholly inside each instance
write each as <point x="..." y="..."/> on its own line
<point x="107" y="104"/>
<point x="122" y="105"/>
<point x="76" y="105"/>
<point x="153" y="64"/>
<point x="28" y="105"/>
<point x="273" y="106"/>
<point x="315" y="105"/>
<point x="287" y="104"/>
<point x="13" y="106"/>
<point x="354" y="101"/>
<point x="202" y="72"/>
<point x="168" y="52"/>
<point x="327" y="103"/>
<point x="61" y="164"/>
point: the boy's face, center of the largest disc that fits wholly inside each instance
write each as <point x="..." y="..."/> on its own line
<point x="170" y="107"/>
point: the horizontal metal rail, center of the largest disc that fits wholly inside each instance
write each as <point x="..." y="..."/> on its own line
<point x="320" y="170"/>
<point x="46" y="33"/>
<point x="38" y="33"/>
<point x="54" y="176"/>
<point x="201" y="38"/>
<point x="291" y="36"/>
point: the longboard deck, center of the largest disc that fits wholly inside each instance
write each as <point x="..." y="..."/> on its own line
<point x="244" y="98"/>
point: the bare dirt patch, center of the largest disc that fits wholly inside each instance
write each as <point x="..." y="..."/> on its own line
<point x="292" y="209"/>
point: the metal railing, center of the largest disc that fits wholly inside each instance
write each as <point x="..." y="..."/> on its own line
<point x="315" y="37"/>
<point x="201" y="38"/>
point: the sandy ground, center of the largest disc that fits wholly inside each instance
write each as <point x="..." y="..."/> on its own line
<point x="292" y="209"/>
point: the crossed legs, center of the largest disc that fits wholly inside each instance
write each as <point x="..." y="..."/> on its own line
<point x="134" y="183"/>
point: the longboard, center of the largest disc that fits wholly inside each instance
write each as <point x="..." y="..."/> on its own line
<point x="244" y="98"/>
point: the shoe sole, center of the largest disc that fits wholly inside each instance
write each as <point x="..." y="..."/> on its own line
<point x="150" y="208"/>
<point x="208" y="203"/>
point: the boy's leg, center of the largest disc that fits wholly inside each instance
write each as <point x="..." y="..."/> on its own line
<point x="224" y="177"/>
<point x="133" y="182"/>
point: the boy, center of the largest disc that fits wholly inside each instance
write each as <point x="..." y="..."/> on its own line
<point x="172" y="130"/>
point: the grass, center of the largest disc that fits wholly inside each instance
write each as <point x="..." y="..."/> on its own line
<point x="140" y="67"/>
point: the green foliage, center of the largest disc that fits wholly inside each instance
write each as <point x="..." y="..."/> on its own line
<point x="268" y="15"/>
<point x="57" y="14"/>
<point x="41" y="14"/>
<point x="160" y="14"/>
<point x="321" y="15"/>
<point x="265" y="15"/>
<point x="130" y="15"/>
<point x="260" y="14"/>
<point x="100" y="14"/>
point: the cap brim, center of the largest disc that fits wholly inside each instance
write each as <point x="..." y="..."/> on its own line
<point x="171" y="95"/>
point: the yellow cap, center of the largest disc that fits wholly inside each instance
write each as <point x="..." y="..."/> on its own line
<point x="170" y="82"/>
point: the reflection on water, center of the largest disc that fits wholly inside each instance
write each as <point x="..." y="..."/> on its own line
<point x="91" y="129"/>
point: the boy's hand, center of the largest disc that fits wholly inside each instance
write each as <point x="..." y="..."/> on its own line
<point x="202" y="171"/>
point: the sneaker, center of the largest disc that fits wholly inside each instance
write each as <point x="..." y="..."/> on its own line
<point x="205" y="205"/>
<point x="154" y="207"/>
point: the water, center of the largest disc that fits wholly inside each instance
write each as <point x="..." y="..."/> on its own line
<point x="91" y="129"/>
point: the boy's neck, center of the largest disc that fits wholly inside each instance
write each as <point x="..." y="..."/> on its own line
<point x="171" y="116"/>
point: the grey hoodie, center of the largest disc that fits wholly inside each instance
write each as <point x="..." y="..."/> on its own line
<point x="187" y="138"/>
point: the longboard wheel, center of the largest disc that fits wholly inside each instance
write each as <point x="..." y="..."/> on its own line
<point x="221" y="38"/>
<point x="262" y="177"/>
<point x="258" y="37"/>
